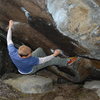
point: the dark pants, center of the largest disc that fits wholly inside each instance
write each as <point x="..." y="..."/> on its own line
<point x="55" y="61"/>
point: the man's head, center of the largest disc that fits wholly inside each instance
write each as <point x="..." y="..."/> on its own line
<point x="24" y="51"/>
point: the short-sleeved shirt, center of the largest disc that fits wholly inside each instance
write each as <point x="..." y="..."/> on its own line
<point x="24" y="65"/>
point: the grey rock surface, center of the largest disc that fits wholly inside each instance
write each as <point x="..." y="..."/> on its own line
<point x="31" y="84"/>
<point x="93" y="85"/>
<point x="79" y="20"/>
<point x="98" y="92"/>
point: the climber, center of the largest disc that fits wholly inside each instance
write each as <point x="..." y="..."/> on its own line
<point x="28" y="62"/>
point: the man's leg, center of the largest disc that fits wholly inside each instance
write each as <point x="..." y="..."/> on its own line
<point x="61" y="62"/>
<point x="38" y="53"/>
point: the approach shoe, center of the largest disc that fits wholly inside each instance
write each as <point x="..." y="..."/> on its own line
<point x="27" y="14"/>
<point x="71" y="60"/>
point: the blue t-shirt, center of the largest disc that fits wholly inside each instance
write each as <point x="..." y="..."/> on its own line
<point x="24" y="65"/>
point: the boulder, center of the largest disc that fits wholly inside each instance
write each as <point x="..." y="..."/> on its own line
<point x="93" y="85"/>
<point x="79" y="20"/>
<point x="31" y="84"/>
<point x="98" y="92"/>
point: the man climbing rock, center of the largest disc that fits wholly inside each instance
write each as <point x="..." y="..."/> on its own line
<point x="28" y="62"/>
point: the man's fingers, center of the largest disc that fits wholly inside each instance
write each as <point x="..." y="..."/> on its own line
<point x="10" y="23"/>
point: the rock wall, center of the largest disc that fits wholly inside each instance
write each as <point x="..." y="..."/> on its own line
<point x="77" y="19"/>
<point x="80" y="20"/>
<point x="71" y="25"/>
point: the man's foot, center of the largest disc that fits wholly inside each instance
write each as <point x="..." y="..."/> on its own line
<point x="27" y="14"/>
<point x="23" y="9"/>
<point x="71" y="60"/>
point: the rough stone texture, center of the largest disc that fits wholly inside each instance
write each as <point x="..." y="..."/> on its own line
<point x="98" y="92"/>
<point x="93" y="85"/>
<point x="7" y="92"/>
<point x="80" y="20"/>
<point x="48" y="74"/>
<point x="59" y="98"/>
<point x="77" y="19"/>
<point x="31" y="84"/>
<point x="61" y="92"/>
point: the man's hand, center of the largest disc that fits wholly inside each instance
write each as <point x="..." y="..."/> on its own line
<point x="9" y="33"/>
<point x="57" y="52"/>
<point x="11" y="23"/>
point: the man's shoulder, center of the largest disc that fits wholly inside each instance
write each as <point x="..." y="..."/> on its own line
<point x="10" y="44"/>
<point x="11" y="48"/>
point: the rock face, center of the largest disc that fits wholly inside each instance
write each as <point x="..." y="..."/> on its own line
<point x="93" y="85"/>
<point x="79" y="20"/>
<point x="31" y="84"/>
<point x="98" y="92"/>
<point x="73" y="26"/>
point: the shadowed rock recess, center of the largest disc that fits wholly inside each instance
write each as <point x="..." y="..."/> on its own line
<point x="70" y="25"/>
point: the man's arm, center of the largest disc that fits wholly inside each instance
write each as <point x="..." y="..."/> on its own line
<point x="45" y="59"/>
<point x="48" y="58"/>
<point x="9" y="33"/>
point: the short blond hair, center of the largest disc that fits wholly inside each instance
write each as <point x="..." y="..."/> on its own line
<point x="24" y="50"/>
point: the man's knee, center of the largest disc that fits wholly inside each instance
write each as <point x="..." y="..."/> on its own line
<point x="40" y="49"/>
